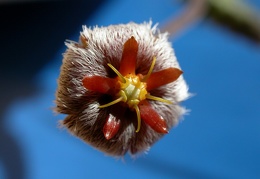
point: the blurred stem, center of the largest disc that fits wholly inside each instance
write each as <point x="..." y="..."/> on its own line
<point x="234" y="14"/>
<point x="237" y="16"/>
<point x="194" y="10"/>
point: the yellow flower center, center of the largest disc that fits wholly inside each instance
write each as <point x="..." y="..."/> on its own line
<point x="133" y="91"/>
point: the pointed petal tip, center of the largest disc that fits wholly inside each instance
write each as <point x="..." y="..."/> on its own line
<point x="180" y="71"/>
<point x="133" y="38"/>
<point x="109" y="133"/>
<point x="175" y="72"/>
<point x="164" y="130"/>
<point x="108" y="136"/>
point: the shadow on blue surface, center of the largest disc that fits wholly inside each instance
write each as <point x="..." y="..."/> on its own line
<point x="30" y="34"/>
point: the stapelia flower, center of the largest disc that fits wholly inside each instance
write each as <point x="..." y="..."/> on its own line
<point x="120" y="87"/>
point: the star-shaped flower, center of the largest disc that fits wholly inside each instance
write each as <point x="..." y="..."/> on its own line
<point x="120" y="87"/>
<point x="132" y="90"/>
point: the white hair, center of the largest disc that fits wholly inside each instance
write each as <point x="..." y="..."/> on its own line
<point x="104" y="45"/>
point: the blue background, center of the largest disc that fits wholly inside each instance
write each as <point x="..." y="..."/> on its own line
<point x="220" y="138"/>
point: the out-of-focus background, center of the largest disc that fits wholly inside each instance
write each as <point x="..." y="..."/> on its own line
<point x="220" y="138"/>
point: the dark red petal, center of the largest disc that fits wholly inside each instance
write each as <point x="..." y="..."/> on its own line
<point x="152" y="118"/>
<point x="111" y="126"/>
<point x="128" y="61"/>
<point x="162" y="77"/>
<point x="100" y="84"/>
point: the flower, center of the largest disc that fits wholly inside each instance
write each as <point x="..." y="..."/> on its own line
<point x="120" y="87"/>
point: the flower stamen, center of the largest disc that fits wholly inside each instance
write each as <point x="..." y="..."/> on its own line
<point x="138" y="118"/>
<point x="112" y="103"/>
<point x="150" y="70"/>
<point x="117" y="72"/>
<point x="155" y="98"/>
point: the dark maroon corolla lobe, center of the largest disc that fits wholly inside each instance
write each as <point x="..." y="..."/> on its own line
<point x="111" y="126"/>
<point x="152" y="118"/>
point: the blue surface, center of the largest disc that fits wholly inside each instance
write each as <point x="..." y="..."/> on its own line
<point x="220" y="138"/>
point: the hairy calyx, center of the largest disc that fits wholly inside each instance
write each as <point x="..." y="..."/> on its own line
<point x="132" y="90"/>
